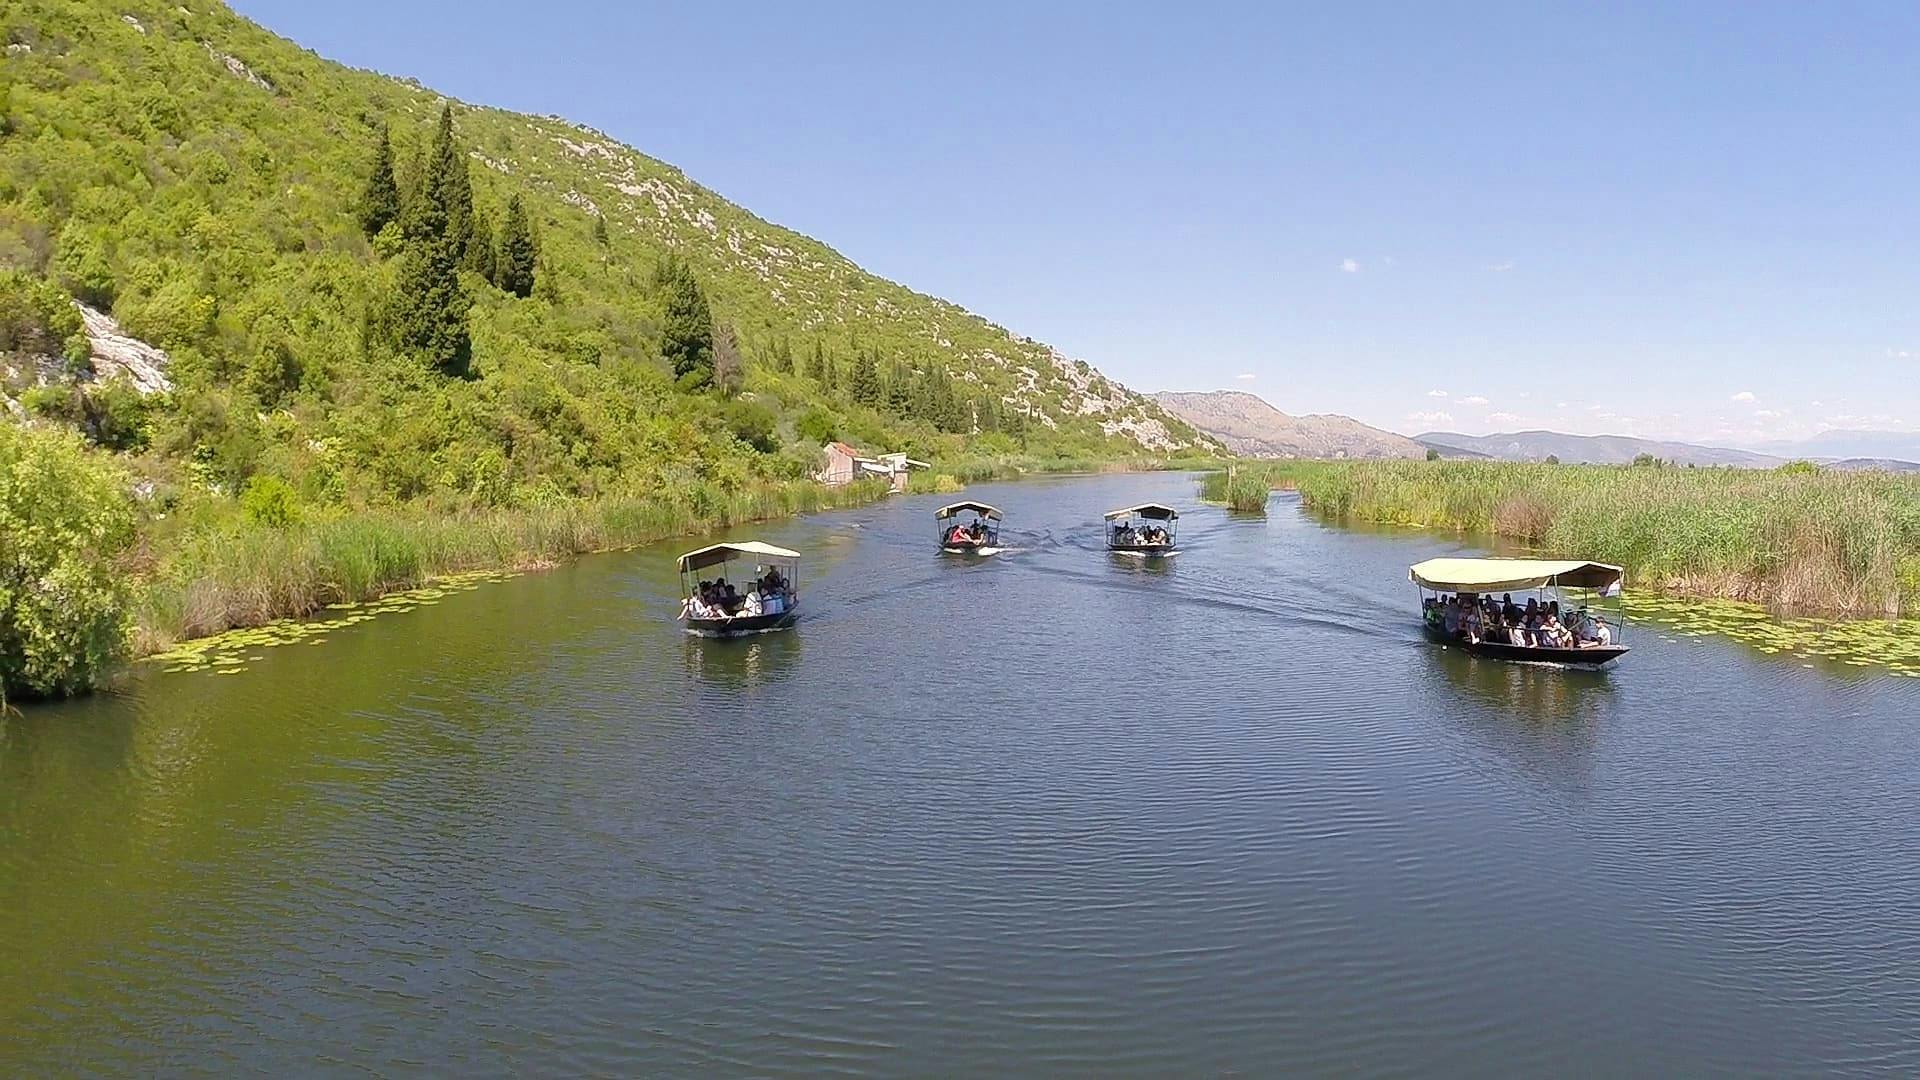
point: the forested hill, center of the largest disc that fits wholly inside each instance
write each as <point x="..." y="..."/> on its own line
<point x="529" y="310"/>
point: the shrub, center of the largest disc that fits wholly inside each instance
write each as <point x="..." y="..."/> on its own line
<point x="817" y="425"/>
<point x="270" y="501"/>
<point x="753" y="423"/>
<point x="65" y="519"/>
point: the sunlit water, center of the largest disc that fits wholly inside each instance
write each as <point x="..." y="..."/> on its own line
<point x="1048" y="813"/>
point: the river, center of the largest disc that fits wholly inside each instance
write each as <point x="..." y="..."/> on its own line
<point x="1044" y="814"/>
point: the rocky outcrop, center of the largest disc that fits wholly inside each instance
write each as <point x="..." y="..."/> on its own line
<point x="1252" y="428"/>
<point x="114" y="353"/>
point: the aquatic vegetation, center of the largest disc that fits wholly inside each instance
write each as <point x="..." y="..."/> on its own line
<point x="230" y="652"/>
<point x="1893" y="644"/>
<point x="247" y="575"/>
<point x="1825" y="541"/>
<point x="1241" y="488"/>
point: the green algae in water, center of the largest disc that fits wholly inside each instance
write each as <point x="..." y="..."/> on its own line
<point x="1894" y="645"/>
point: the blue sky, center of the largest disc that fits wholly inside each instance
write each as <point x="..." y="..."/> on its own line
<point x="1693" y="220"/>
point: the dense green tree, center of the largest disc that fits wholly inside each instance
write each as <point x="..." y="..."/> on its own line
<point x="899" y="389"/>
<point x="600" y="230"/>
<point x="863" y="382"/>
<point x="428" y="313"/>
<point x="480" y="249"/>
<point x="65" y="522"/>
<point x="820" y="369"/>
<point x="686" y="332"/>
<point x="380" y="202"/>
<point x="514" y="265"/>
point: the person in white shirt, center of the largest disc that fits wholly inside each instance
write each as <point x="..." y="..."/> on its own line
<point x="752" y="606"/>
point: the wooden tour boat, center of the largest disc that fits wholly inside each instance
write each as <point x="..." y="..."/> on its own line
<point x="978" y="535"/>
<point x="763" y="606"/>
<point x="1469" y="580"/>
<point x="1145" y="531"/>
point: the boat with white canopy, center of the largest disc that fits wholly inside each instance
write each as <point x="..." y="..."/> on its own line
<point x="1472" y="608"/>
<point x="1145" y="531"/>
<point x="968" y="528"/>
<point x="725" y="605"/>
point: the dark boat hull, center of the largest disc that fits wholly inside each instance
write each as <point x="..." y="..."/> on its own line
<point x="1597" y="656"/>
<point x="742" y="625"/>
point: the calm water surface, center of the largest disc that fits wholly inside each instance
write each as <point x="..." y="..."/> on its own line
<point x="1046" y="814"/>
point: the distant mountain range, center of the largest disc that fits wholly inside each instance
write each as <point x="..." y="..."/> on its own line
<point x="1587" y="449"/>
<point x="1899" y="446"/>
<point x="1250" y="427"/>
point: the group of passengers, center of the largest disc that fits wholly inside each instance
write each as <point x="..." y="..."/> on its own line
<point x="1503" y="622"/>
<point x="770" y="594"/>
<point x="971" y="534"/>
<point x="1144" y="536"/>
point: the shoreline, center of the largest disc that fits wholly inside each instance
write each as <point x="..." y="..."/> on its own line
<point x="242" y="576"/>
<point x="1822" y="544"/>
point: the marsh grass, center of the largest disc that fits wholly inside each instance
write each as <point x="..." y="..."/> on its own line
<point x="243" y="574"/>
<point x="1245" y="488"/>
<point x="1842" y="542"/>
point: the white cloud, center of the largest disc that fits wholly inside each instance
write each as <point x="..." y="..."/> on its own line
<point x="1559" y="404"/>
<point x="1436" y="393"/>
<point x="1349" y="266"/>
<point x="1247" y="376"/>
<point x="1743" y="396"/>
<point x="1473" y="399"/>
<point x="1502" y="418"/>
<point x="1501" y="267"/>
<point x="1430" y="417"/>
<point x="1765" y="414"/>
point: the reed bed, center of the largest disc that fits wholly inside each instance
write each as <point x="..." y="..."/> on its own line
<point x="245" y="574"/>
<point x="1244" y="487"/>
<point x="1812" y="540"/>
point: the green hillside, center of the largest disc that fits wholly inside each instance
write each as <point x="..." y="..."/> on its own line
<point x="334" y="348"/>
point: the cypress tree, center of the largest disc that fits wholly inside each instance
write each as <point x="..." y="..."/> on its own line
<point x="429" y="313"/>
<point x="863" y="384"/>
<point x="480" y="248"/>
<point x="514" y="266"/>
<point x="900" y="390"/>
<point x="686" y="339"/>
<point x="818" y="371"/>
<point x="600" y="230"/>
<point x="380" y="202"/>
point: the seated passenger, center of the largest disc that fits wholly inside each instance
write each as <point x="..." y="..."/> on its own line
<point x="1552" y="634"/>
<point x="750" y="604"/>
<point x="1510" y="609"/>
<point x="1450" y="617"/>
<point x="1590" y="631"/>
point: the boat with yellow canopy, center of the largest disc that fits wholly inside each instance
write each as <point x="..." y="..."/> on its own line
<point x="723" y="606"/>
<point x="1471" y="608"/>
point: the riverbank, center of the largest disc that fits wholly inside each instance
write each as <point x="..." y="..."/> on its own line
<point x="1796" y="539"/>
<point x="199" y="578"/>
<point x="202" y="580"/>
<point x="953" y="474"/>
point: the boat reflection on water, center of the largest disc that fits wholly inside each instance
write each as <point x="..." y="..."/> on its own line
<point x="1545" y="724"/>
<point x="742" y="663"/>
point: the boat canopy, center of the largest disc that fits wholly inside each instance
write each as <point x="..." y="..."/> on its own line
<point x="1512" y="575"/>
<point x="1155" y="511"/>
<point x="719" y="553"/>
<point x="982" y="509"/>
